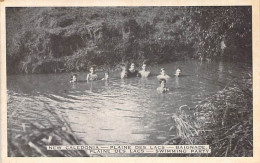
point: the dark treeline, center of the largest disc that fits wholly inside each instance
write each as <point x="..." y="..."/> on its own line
<point x="46" y="40"/>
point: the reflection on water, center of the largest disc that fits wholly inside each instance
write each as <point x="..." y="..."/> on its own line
<point x="118" y="111"/>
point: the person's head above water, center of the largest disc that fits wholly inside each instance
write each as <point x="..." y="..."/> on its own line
<point x="74" y="77"/>
<point x="92" y="69"/>
<point x="144" y="66"/>
<point x="178" y="72"/>
<point x="163" y="71"/>
<point x="132" y="66"/>
<point x="123" y="67"/>
<point x="163" y="83"/>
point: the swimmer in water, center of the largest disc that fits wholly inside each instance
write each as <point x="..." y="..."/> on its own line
<point x="106" y="77"/>
<point x="144" y="72"/>
<point x="74" y="78"/>
<point x="178" y="72"/>
<point x="132" y="72"/>
<point x="163" y="75"/>
<point x="92" y="75"/>
<point x="123" y="72"/>
<point x="162" y="88"/>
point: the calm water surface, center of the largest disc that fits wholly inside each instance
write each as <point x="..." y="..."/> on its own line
<point x="120" y="111"/>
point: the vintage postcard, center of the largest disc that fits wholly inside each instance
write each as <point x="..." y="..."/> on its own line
<point x="129" y="81"/>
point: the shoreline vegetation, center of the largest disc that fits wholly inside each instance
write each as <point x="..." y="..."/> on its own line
<point x="224" y="121"/>
<point x="56" y="39"/>
<point x="33" y="137"/>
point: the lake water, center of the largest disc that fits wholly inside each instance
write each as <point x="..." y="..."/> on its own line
<point x="120" y="111"/>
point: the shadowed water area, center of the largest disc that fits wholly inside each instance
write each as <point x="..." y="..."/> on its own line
<point x="118" y="111"/>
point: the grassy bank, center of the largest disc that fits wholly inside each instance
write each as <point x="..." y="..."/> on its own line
<point x="48" y="40"/>
<point x="223" y="121"/>
<point x="31" y="139"/>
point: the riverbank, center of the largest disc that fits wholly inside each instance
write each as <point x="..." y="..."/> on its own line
<point x="49" y="40"/>
<point x="223" y="121"/>
<point x="30" y="139"/>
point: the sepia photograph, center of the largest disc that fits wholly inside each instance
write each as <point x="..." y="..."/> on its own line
<point x="129" y="81"/>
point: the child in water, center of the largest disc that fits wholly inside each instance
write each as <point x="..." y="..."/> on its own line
<point x="163" y="75"/>
<point x="162" y="88"/>
<point x="92" y="75"/>
<point x="178" y="72"/>
<point x="144" y="72"/>
<point x="74" y="78"/>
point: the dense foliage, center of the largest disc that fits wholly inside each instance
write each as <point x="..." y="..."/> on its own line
<point x="224" y="121"/>
<point x="45" y="40"/>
